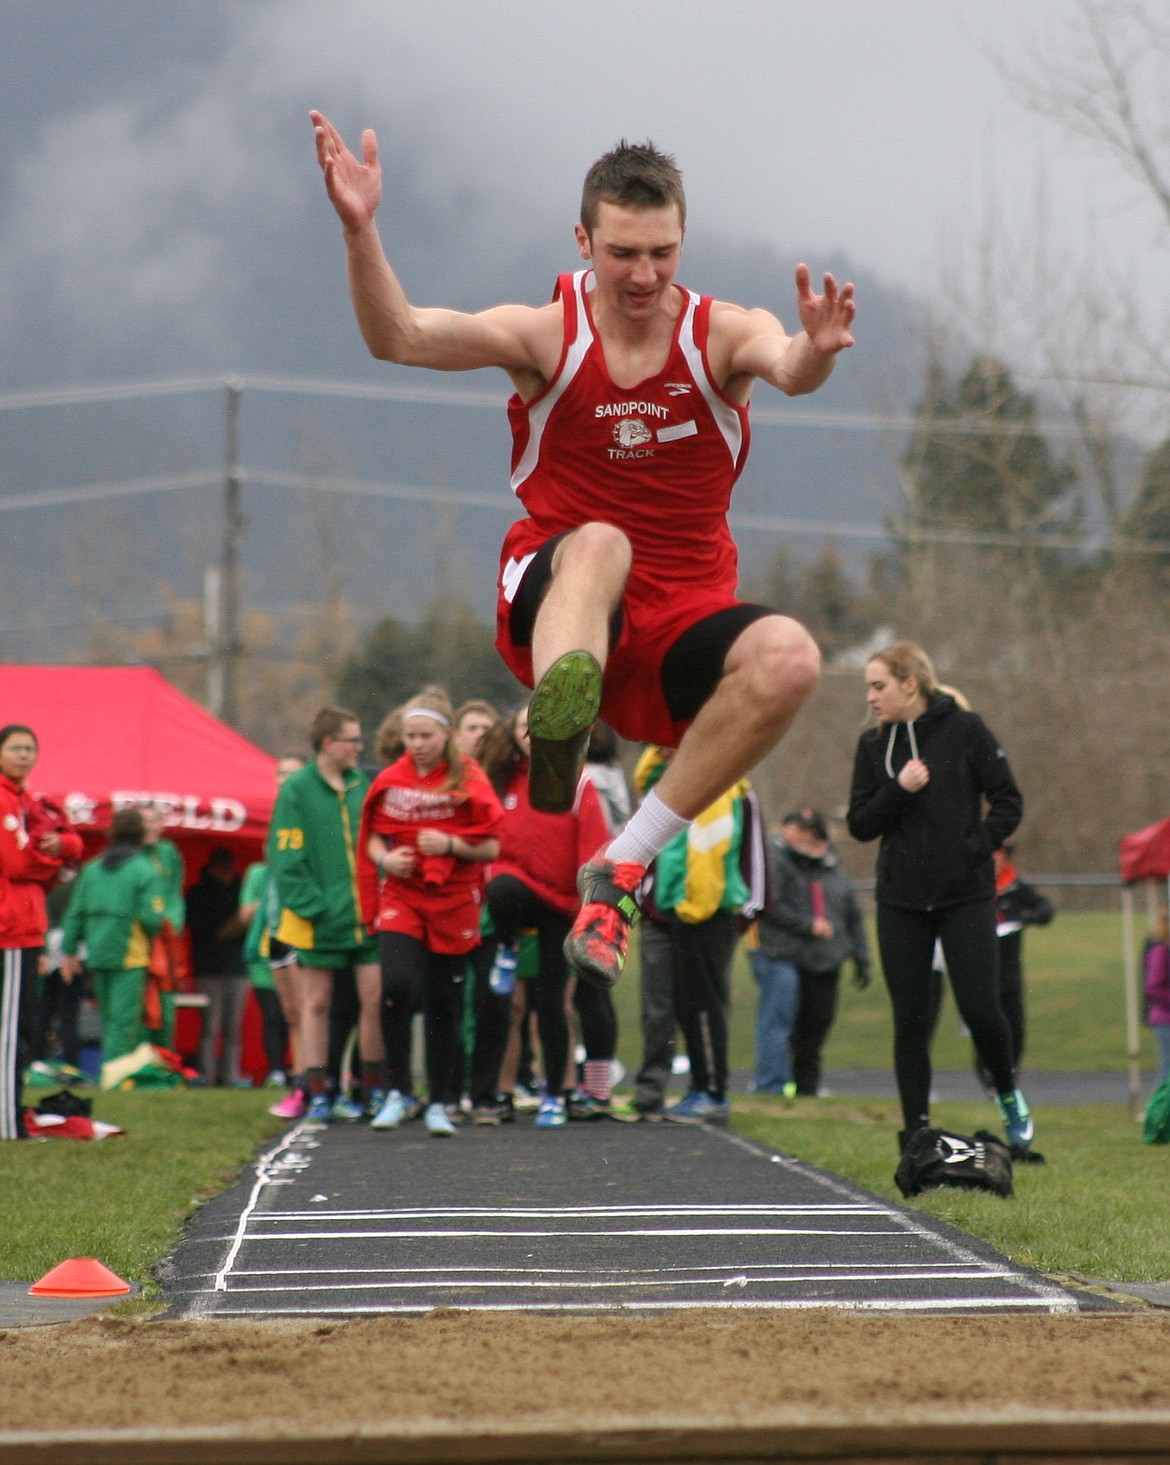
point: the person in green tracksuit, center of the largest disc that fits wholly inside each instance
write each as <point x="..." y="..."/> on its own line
<point x="117" y="906"/>
<point x="168" y="957"/>
<point x="312" y="854"/>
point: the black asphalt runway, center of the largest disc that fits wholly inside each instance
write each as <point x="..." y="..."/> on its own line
<point x="342" y="1221"/>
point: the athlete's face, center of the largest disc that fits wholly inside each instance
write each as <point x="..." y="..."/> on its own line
<point x="18" y="756"/>
<point x="470" y="733"/>
<point x="345" y="748"/>
<point x="426" y="742"/>
<point x="153" y="820"/>
<point x="635" y="255"/>
<point x="889" y="699"/>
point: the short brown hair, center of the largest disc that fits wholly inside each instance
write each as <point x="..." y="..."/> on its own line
<point x="475" y="704"/>
<point x="328" y="723"/>
<point x="636" y="175"/>
<point x="128" y="827"/>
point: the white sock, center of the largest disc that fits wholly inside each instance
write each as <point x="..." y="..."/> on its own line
<point x="647" y="834"/>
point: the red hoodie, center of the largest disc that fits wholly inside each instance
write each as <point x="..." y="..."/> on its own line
<point x="545" y="851"/>
<point x="399" y="804"/>
<point x="25" y="873"/>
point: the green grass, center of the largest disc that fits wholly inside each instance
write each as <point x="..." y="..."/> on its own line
<point x="1097" y="1208"/>
<point x="124" y="1200"/>
<point x="1075" y="1007"/>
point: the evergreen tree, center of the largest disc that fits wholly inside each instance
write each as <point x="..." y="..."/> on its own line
<point x="978" y="462"/>
<point x="450" y="645"/>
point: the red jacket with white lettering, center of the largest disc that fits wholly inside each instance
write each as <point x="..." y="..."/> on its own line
<point x="400" y="804"/>
<point x="25" y="873"/>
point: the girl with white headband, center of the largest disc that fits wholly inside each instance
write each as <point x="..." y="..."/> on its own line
<point x="428" y="829"/>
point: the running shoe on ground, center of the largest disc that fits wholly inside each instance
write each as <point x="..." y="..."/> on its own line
<point x="320" y="1110"/>
<point x="563" y="709"/>
<point x="551" y="1114"/>
<point x="345" y="1110"/>
<point x="292" y="1106"/>
<point x="392" y="1112"/>
<point x="374" y="1101"/>
<point x="1017" y="1120"/>
<point x="438" y="1121"/>
<point x="277" y="1079"/>
<point x="588" y="1106"/>
<point x="491" y="1113"/>
<point x="630" y="1112"/>
<point x="698" y="1107"/>
<point x="596" y="947"/>
<point x="524" y="1101"/>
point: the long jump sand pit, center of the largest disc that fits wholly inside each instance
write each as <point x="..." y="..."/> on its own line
<point x="710" y="1384"/>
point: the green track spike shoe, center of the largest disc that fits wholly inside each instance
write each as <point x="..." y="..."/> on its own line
<point x="563" y="709"/>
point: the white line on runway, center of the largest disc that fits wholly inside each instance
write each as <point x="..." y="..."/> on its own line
<point x="505" y="1235"/>
<point x="890" y="1269"/>
<point x="458" y="1212"/>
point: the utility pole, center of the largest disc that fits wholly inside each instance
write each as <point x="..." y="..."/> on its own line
<point x="223" y="683"/>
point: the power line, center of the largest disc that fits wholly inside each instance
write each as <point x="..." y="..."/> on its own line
<point x="99" y="492"/>
<point x="113" y="392"/>
<point x="503" y="502"/>
<point x="421" y="394"/>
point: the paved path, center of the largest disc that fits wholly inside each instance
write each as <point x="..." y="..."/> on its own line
<point x="342" y="1220"/>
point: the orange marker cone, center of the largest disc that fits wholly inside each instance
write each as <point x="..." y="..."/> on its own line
<point x="80" y="1277"/>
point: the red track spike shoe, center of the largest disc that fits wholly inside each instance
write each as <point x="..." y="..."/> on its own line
<point x="596" y="946"/>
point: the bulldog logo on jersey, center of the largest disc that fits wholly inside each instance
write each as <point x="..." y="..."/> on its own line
<point x="631" y="432"/>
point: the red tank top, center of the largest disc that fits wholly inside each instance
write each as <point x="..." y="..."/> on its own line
<point x="658" y="460"/>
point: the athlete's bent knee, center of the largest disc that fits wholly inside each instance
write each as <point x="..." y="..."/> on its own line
<point x="785" y="659"/>
<point x="595" y="544"/>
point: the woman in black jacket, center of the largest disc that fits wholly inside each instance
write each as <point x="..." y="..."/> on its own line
<point x="921" y="778"/>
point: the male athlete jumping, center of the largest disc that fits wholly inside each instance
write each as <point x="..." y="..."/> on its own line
<point x="630" y="428"/>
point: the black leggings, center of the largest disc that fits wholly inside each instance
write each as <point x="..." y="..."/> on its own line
<point x="514" y="909"/>
<point x="408" y="971"/>
<point x="493" y="1021"/>
<point x="275" y="1029"/>
<point x="906" y="942"/>
<point x="598" y="1018"/>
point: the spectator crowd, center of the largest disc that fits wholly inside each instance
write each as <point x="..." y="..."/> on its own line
<point x="404" y="936"/>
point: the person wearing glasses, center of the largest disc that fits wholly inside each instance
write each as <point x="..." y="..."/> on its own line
<point x="312" y="853"/>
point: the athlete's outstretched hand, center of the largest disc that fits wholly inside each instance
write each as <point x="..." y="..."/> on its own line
<point x="826" y="318"/>
<point x="354" y="188"/>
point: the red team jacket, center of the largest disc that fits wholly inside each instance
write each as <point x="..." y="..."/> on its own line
<point x="545" y="851"/>
<point x="399" y="804"/>
<point x="25" y="873"/>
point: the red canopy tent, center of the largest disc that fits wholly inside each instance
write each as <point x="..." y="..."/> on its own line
<point x="1146" y="854"/>
<point x="112" y="736"/>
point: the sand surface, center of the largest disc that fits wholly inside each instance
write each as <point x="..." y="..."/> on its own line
<point x="511" y="1370"/>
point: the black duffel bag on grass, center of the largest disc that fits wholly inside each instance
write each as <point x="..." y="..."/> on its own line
<point x="934" y="1157"/>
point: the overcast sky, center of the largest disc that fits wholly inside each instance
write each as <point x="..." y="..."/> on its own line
<point x="159" y="187"/>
